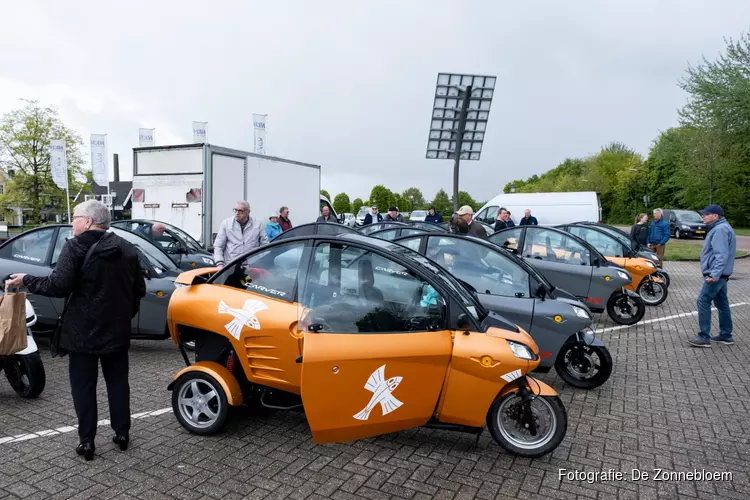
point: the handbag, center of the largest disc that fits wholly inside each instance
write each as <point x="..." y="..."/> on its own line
<point x="12" y="323"/>
<point x="54" y="344"/>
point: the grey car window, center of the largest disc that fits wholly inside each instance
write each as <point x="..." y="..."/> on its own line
<point x="31" y="248"/>
<point x="488" y="271"/>
<point x="605" y="244"/>
<point x="158" y="259"/>
<point x="508" y="239"/>
<point x="552" y="246"/>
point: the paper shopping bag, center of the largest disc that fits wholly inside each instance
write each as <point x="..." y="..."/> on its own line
<point x="12" y="323"/>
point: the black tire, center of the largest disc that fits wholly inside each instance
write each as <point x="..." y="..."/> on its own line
<point x="677" y="234"/>
<point x="508" y="405"/>
<point x="657" y="287"/>
<point x="618" y="299"/>
<point x="217" y="404"/>
<point x="26" y="374"/>
<point x="665" y="276"/>
<point x="575" y="366"/>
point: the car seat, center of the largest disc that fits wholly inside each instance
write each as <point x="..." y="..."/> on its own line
<point x="367" y="281"/>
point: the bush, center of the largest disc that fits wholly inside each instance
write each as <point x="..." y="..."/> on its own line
<point x="447" y="218"/>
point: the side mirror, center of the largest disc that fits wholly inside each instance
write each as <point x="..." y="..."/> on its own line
<point x="464" y="323"/>
<point x="541" y="292"/>
<point x="199" y="279"/>
<point x="147" y="273"/>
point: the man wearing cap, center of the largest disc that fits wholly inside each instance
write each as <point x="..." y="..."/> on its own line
<point x="717" y="264"/>
<point x="466" y="225"/>
<point x="393" y="215"/>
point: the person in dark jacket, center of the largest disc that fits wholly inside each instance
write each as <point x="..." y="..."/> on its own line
<point x="96" y="326"/>
<point x="433" y="216"/>
<point x="639" y="231"/>
<point x="658" y="235"/>
<point x="502" y="219"/>
<point x="326" y="215"/>
<point x="393" y="215"/>
<point x="466" y="225"/>
<point x="284" y="221"/>
<point x="528" y="220"/>
<point x="372" y="217"/>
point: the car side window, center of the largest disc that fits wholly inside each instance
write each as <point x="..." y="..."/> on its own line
<point x="604" y="244"/>
<point x="63" y="235"/>
<point x="487" y="270"/>
<point x="31" y="248"/>
<point x="509" y="239"/>
<point x="272" y="272"/>
<point x="412" y="243"/>
<point x="359" y="291"/>
<point x="545" y="244"/>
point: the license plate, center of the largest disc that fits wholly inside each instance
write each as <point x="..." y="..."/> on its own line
<point x="699" y="232"/>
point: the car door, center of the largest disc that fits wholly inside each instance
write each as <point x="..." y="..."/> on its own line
<point x="501" y="284"/>
<point x="367" y="368"/>
<point x="29" y="253"/>
<point x="264" y="286"/>
<point x="562" y="260"/>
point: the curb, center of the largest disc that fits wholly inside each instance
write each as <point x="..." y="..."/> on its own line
<point x="698" y="260"/>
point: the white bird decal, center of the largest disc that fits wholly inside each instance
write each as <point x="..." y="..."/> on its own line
<point x="381" y="393"/>
<point x="242" y="317"/>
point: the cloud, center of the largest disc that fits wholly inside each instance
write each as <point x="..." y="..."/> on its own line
<point x="348" y="85"/>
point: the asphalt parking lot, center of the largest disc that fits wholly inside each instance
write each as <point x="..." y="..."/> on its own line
<point x="667" y="406"/>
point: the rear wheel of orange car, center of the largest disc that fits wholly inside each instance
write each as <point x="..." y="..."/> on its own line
<point x="507" y="424"/>
<point x="199" y="403"/>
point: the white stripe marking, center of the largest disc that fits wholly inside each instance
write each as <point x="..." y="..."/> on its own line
<point x="657" y="320"/>
<point x="63" y="430"/>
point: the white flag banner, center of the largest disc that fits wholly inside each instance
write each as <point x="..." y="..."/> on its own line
<point x="146" y="137"/>
<point x="199" y="132"/>
<point x="259" y="124"/>
<point x="58" y="163"/>
<point x="99" y="166"/>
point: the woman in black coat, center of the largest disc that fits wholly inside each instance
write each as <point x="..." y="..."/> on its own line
<point x="639" y="231"/>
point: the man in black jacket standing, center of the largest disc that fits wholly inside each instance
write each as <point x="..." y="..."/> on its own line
<point x="96" y="326"/>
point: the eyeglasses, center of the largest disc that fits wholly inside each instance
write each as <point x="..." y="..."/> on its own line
<point x="239" y="210"/>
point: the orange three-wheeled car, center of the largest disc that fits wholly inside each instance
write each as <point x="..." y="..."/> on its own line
<point x="365" y="336"/>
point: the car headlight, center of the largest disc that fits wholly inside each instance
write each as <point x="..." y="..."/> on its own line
<point x="653" y="256"/>
<point x="521" y="351"/>
<point x="685" y="226"/>
<point x="581" y="313"/>
<point x="623" y="275"/>
<point x="650" y="264"/>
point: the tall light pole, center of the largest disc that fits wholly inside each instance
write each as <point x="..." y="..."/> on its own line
<point x="460" y="112"/>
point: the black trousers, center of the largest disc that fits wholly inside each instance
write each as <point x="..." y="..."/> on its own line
<point x="84" y="374"/>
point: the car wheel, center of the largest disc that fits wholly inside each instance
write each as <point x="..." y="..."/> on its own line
<point x="665" y="276"/>
<point x="652" y="293"/>
<point x="507" y="424"/>
<point x="584" y="366"/>
<point x="625" y="309"/>
<point x="677" y="234"/>
<point x="199" y="403"/>
<point x="26" y="374"/>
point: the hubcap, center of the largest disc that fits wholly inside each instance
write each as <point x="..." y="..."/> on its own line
<point x="513" y="427"/>
<point x="199" y="403"/>
<point x="652" y="292"/>
<point x="582" y="362"/>
<point x="625" y="307"/>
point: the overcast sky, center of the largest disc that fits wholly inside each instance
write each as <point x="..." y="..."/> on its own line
<point x="349" y="85"/>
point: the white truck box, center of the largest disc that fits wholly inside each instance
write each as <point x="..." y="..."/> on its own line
<point x="195" y="187"/>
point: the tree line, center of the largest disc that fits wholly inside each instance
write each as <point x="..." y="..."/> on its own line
<point x="408" y="201"/>
<point x="706" y="159"/>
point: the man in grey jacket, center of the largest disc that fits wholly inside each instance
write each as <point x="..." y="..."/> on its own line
<point x="717" y="264"/>
<point x="238" y="235"/>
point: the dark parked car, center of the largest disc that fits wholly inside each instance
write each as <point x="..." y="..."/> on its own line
<point x="685" y="223"/>
<point x="315" y="228"/>
<point x="36" y="252"/>
<point x="180" y="246"/>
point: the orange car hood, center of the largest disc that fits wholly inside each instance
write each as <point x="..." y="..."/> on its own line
<point x="521" y="337"/>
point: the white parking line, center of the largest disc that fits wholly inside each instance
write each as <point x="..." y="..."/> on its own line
<point x="667" y="318"/>
<point x="63" y="430"/>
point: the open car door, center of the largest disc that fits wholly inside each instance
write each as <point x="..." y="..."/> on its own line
<point x="376" y="350"/>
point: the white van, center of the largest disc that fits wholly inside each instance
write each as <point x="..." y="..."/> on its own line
<point x="548" y="208"/>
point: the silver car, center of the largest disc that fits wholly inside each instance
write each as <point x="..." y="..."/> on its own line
<point x="36" y="252"/>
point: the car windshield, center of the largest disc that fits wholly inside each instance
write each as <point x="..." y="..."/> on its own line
<point x="625" y="240"/>
<point x="159" y="260"/>
<point x="418" y="213"/>
<point x="194" y="245"/>
<point x="688" y="216"/>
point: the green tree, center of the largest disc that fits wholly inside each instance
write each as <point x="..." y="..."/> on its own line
<point x="341" y="203"/>
<point x="382" y="197"/>
<point x="25" y="135"/>
<point x="325" y="193"/>
<point x="402" y="203"/>
<point x="414" y="197"/>
<point x="465" y="198"/>
<point x="442" y="203"/>
<point x="356" y="205"/>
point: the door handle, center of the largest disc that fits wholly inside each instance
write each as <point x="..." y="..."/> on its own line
<point x="298" y="360"/>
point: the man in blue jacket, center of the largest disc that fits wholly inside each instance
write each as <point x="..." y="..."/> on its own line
<point x="717" y="264"/>
<point x="658" y="235"/>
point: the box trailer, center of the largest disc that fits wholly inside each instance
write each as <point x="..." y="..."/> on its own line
<point x="549" y="208"/>
<point x="195" y="187"/>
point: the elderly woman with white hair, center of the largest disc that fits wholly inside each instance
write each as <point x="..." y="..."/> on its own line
<point x="103" y="297"/>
